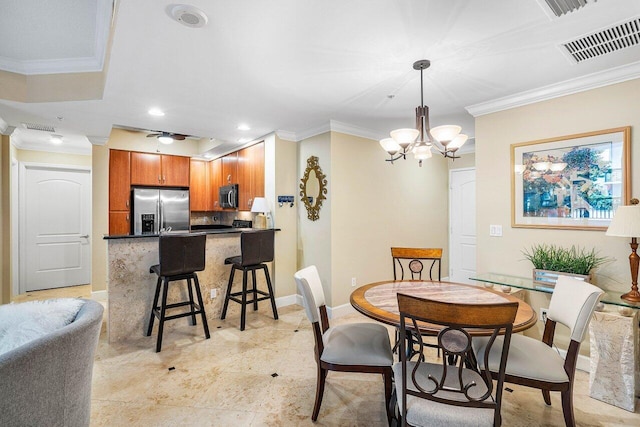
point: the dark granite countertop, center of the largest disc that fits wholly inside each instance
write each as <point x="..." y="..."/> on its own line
<point x="214" y="231"/>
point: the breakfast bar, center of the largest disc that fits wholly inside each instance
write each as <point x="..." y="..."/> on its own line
<point x="131" y="286"/>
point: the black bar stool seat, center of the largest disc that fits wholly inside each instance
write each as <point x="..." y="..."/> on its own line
<point x="181" y="255"/>
<point x="256" y="248"/>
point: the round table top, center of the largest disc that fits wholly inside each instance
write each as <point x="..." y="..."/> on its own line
<point x="379" y="300"/>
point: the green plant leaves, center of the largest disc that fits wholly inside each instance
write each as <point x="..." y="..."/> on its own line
<point x="556" y="258"/>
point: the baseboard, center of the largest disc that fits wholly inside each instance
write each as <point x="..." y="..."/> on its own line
<point x="99" y="295"/>
<point x="288" y="300"/>
<point x="339" y="311"/>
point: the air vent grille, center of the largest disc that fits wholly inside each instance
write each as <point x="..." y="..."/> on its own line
<point x="43" y="128"/>
<point x="606" y="41"/>
<point x="560" y="7"/>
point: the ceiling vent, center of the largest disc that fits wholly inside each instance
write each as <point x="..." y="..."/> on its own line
<point x="189" y="16"/>
<point x="605" y="41"/>
<point x="43" y="128"/>
<point x="560" y="7"/>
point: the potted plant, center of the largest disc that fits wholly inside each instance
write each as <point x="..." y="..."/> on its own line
<point x="550" y="261"/>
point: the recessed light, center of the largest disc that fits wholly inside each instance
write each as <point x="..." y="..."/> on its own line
<point x="156" y="112"/>
<point x="242" y="126"/>
<point x="189" y="16"/>
<point x="207" y="155"/>
<point x="55" y="139"/>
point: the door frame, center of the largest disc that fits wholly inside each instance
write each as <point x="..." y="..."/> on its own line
<point x="451" y="171"/>
<point x="20" y="222"/>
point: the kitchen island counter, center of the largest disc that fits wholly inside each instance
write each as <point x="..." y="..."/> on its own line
<point x="130" y="285"/>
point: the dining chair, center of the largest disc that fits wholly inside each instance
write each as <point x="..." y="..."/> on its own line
<point x="537" y="364"/>
<point x="445" y="393"/>
<point x="413" y="258"/>
<point x="415" y="265"/>
<point x="352" y="347"/>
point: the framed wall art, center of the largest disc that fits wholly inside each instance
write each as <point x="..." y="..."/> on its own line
<point x="571" y="182"/>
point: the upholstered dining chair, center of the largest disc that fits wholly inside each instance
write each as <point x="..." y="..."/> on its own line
<point x="537" y="364"/>
<point x="446" y="393"/>
<point x="353" y="347"/>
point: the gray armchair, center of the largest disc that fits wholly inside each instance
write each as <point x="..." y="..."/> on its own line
<point x="47" y="381"/>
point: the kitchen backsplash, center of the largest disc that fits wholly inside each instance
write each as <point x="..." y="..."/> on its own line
<point x="202" y="218"/>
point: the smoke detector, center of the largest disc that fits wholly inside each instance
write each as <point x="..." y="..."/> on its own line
<point x="189" y="16"/>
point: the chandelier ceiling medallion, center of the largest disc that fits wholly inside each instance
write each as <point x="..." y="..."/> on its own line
<point x="446" y="139"/>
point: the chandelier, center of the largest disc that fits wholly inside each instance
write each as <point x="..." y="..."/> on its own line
<point x="446" y="139"/>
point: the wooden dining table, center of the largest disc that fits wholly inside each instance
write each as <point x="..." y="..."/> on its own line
<point x="379" y="301"/>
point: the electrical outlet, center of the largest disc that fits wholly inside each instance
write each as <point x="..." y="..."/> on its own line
<point x="353" y="281"/>
<point x="543" y="315"/>
<point x="214" y="292"/>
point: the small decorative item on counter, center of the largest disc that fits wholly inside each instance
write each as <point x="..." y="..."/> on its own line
<point x="625" y="311"/>
<point x="600" y="306"/>
<point x="488" y="285"/>
<point x="505" y="289"/>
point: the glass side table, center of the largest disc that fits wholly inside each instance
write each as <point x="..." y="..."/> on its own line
<point x="609" y="297"/>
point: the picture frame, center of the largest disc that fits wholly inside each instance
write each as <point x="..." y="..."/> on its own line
<point x="571" y="182"/>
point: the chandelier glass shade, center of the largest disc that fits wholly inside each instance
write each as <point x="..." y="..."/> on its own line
<point x="446" y="139"/>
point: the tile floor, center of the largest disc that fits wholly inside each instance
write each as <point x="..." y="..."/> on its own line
<point x="230" y="380"/>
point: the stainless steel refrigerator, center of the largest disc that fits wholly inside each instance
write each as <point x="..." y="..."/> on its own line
<point x="156" y="210"/>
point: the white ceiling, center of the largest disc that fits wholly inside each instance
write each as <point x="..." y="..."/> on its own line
<point x="297" y="66"/>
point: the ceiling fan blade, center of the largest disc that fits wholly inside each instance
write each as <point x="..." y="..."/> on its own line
<point x="152" y="135"/>
<point x="178" y="136"/>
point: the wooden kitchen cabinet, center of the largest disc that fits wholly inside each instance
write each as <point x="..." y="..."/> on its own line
<point x="250" y="175"/>
<point x="200" y="195"/>
<point x="175" y="171"/>
<point x="119" y="192"/>
<point x="119" y="223"/>
<point x="159" y="170"/>
<point x="215" y="181"/>
<point x="119" y="180"/>
<point x="229" y="169"/>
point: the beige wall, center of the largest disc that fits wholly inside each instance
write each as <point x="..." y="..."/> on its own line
<point x="603" y="108"/>
<point x="280" y="179"/>
<point x="314" y="237"/>
<point x="465" y="161"/>
<point x="5" y="221"/>
<point x="371" y="205"/>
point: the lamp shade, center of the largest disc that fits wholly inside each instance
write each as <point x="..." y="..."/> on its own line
<point x="625" y="222"/>
<point x="390" y="145"/>
<point x="445" y="133"/>
<point x="165" y="139"/>
<point x="458" y="141"/>
<point x="260" y="205"/>
<point x="404" y="137"/>
<point x="422" y="152"/>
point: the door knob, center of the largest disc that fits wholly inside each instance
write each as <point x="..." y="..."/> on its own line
<point x="85" y="236"/>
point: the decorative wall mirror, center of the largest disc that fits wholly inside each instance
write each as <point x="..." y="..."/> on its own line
<point x="313" y="188"/>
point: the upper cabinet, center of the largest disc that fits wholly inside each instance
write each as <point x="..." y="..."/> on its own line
<point x="119" y="180"/>
<point x="119" y="192"/>
<point x="200" y="196"/>
<point x="159" y="170"/>
<point x="229" y="169"/>
<point x="250" y="175"/>
<point x="215" y="181"/>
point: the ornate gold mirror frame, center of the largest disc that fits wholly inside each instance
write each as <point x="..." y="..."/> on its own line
<point x="313" y="201"/>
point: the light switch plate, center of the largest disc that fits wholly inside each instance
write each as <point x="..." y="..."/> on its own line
<point x="495" y="230"/>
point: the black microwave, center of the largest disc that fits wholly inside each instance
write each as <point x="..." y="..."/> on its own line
<point x="228" y="196"/>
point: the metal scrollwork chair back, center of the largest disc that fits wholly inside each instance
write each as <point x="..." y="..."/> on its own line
<point x="415" y="264"/>
<point x="427" y="391"/>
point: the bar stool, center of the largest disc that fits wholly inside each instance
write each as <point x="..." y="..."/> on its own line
<point x="181" y="255"/>
<point x="256" y="248"/>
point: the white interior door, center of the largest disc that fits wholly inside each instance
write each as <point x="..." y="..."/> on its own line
<point x="462" y="223"/>
<point x="56" y="212"/>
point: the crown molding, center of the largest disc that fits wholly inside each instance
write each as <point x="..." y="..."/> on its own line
<point x="17" y="142"/>
<point x="286" y="135"/>
<point x="556" y="90"/>
<point x="341" y="127"/>
<point x="318" y="130"/>
<point x="97" y="140"/>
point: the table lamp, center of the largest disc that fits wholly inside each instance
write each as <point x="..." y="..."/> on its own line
<point x="626" y="223"/>
<point x="261" y="206"/>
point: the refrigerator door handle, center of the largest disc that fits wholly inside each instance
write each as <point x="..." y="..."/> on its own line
<point x="158" y="213"/>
